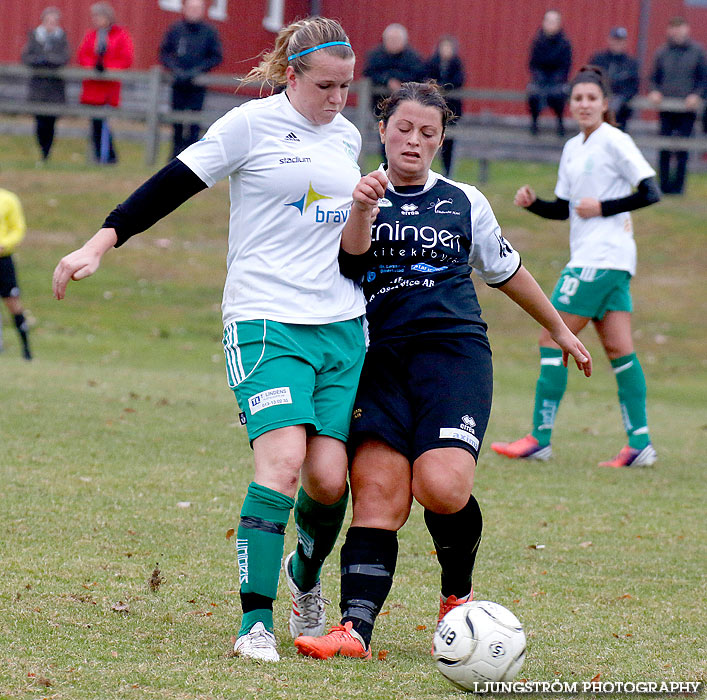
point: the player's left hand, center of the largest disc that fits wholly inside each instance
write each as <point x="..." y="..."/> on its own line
<point x="588" y="207"/>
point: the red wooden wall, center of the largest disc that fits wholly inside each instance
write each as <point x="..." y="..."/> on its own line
<point x="494" y="35"/>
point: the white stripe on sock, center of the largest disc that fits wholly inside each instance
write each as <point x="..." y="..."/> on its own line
<point x="621" y="368"/>
<point x="555" y="361"/>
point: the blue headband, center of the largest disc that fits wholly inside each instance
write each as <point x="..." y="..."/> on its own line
<point x="316" y="48"/>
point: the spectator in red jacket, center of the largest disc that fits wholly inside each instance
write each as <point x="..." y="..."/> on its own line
<point x="106" y="47"/>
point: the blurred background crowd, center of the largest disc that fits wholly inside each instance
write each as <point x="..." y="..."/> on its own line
<point x="198" y="36"/>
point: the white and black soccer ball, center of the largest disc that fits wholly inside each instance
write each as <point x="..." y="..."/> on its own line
<point x="479" y="642"/>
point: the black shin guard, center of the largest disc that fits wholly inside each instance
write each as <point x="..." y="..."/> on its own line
<point x="22" y="329"/>
<point x="456" y="537"/>
<point x="368" y="560"/>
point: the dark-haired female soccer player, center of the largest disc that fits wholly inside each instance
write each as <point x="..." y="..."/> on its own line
<point x="599" y="169"/>
<point x="425" y="393"/>
<point x="292" y="329"/>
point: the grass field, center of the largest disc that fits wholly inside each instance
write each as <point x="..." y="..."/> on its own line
<point x="121" y="451"/>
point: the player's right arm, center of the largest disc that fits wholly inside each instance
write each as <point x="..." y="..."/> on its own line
<point x="526" y="198"/>
<point x="82" y="262"/>
<point x="161" y="194"/>
<point x="356" y="235"/>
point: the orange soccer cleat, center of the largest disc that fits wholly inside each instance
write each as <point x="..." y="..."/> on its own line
<point x="342" y="640"/>
<point x="632" y="457"/>
<point x="526" y="448"/>
<point x="452" y="602"/>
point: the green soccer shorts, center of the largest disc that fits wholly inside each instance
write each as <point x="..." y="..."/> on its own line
<point x="292" y="374"/>
<point x="588" y="292"/>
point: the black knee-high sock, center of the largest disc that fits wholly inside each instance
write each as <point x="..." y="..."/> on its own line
<point x="456" y="537"/>
<point x="368" y="560"/>
<point x="22" y="328"/>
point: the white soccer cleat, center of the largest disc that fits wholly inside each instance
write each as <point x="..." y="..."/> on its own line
<point x="308" y="616"/>
<point x="257" y="644"/>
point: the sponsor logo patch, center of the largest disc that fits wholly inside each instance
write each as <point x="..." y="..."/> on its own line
<point x="294" y="159"/>
<point x="442" y="206"/>
<point x="458" y="434"/>
<point x="271" y="397"/>
<point x="424" y="267"/>
<point x="303" y="203"/>
<point x="291" y="137"/>
<point x="242" y="418"/>
<point x="242" y="550"/>
<point x="409" y="210"/>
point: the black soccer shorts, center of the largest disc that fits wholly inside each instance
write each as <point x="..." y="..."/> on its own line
<point x="8" y="279"/>
<point x="424" y="393"/>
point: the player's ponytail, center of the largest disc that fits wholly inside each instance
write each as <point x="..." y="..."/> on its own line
<point x="597" y="76"/>
<point x="293" y="47"/>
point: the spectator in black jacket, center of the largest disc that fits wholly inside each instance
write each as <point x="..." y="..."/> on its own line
<point x="679" y="70"/>
<point x="393" y="63"/>
<point x="447" y="69"/>
<point x="550" y="61"/>
<point x="189" y="48"/>
<point x="622" y="72"/>
<point x="46" y="47"/>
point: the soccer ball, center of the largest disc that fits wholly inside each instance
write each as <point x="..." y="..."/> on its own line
<point x="477" y="643"/>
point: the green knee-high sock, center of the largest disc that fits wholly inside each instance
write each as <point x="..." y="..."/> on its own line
<point x="260" y="543"/>
<point x="632" y="398"/>
<point x="318" y="527"/>
<point x="549" y="390"/>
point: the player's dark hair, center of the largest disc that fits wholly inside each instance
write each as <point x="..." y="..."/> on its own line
<point x="427" y="94"/>
<point x="595" y="75"/>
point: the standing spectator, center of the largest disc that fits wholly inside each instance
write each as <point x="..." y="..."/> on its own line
<point x="447" y="69"/>
<point x="393" y="63"/>
<point x="679" y="70"/>
<point x="12" y="231"/>
<point x="622" y="73"/>
<point x="46" y="47"/>
<point x="190" y="47"/>
<point x="105" y="47"/>
<point x="550" y="61"/>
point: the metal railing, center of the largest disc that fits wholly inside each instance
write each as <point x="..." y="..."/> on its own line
<point x="145" y="100"/>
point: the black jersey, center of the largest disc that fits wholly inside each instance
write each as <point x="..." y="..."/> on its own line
<point x="424" y="247"/>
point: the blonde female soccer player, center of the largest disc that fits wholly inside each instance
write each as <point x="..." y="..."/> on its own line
<point x="293" y="335"/>
<point x="599" y="169"/>
<point x="425" y="393"/>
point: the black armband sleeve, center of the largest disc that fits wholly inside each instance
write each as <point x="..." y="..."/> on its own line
<point x="559" y="209"/>
<point x="354" y="266"/>
<point x="647" y="193"/>
<point x="153" y="200"/>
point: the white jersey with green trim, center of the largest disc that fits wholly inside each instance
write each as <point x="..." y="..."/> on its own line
<point x="607" y="165"/>
<point x="291" y="185"/>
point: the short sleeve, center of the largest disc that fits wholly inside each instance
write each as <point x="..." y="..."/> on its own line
<point x="223" y="150"/>
<point x="563" y="188"/>
<point x="630" y="162"/>
<point x="491" y="255"/>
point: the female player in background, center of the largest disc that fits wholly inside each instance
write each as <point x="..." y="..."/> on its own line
<point x="425" y="393"/>
<point x="599" y="169"/>
<point x="293" y="336"/>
